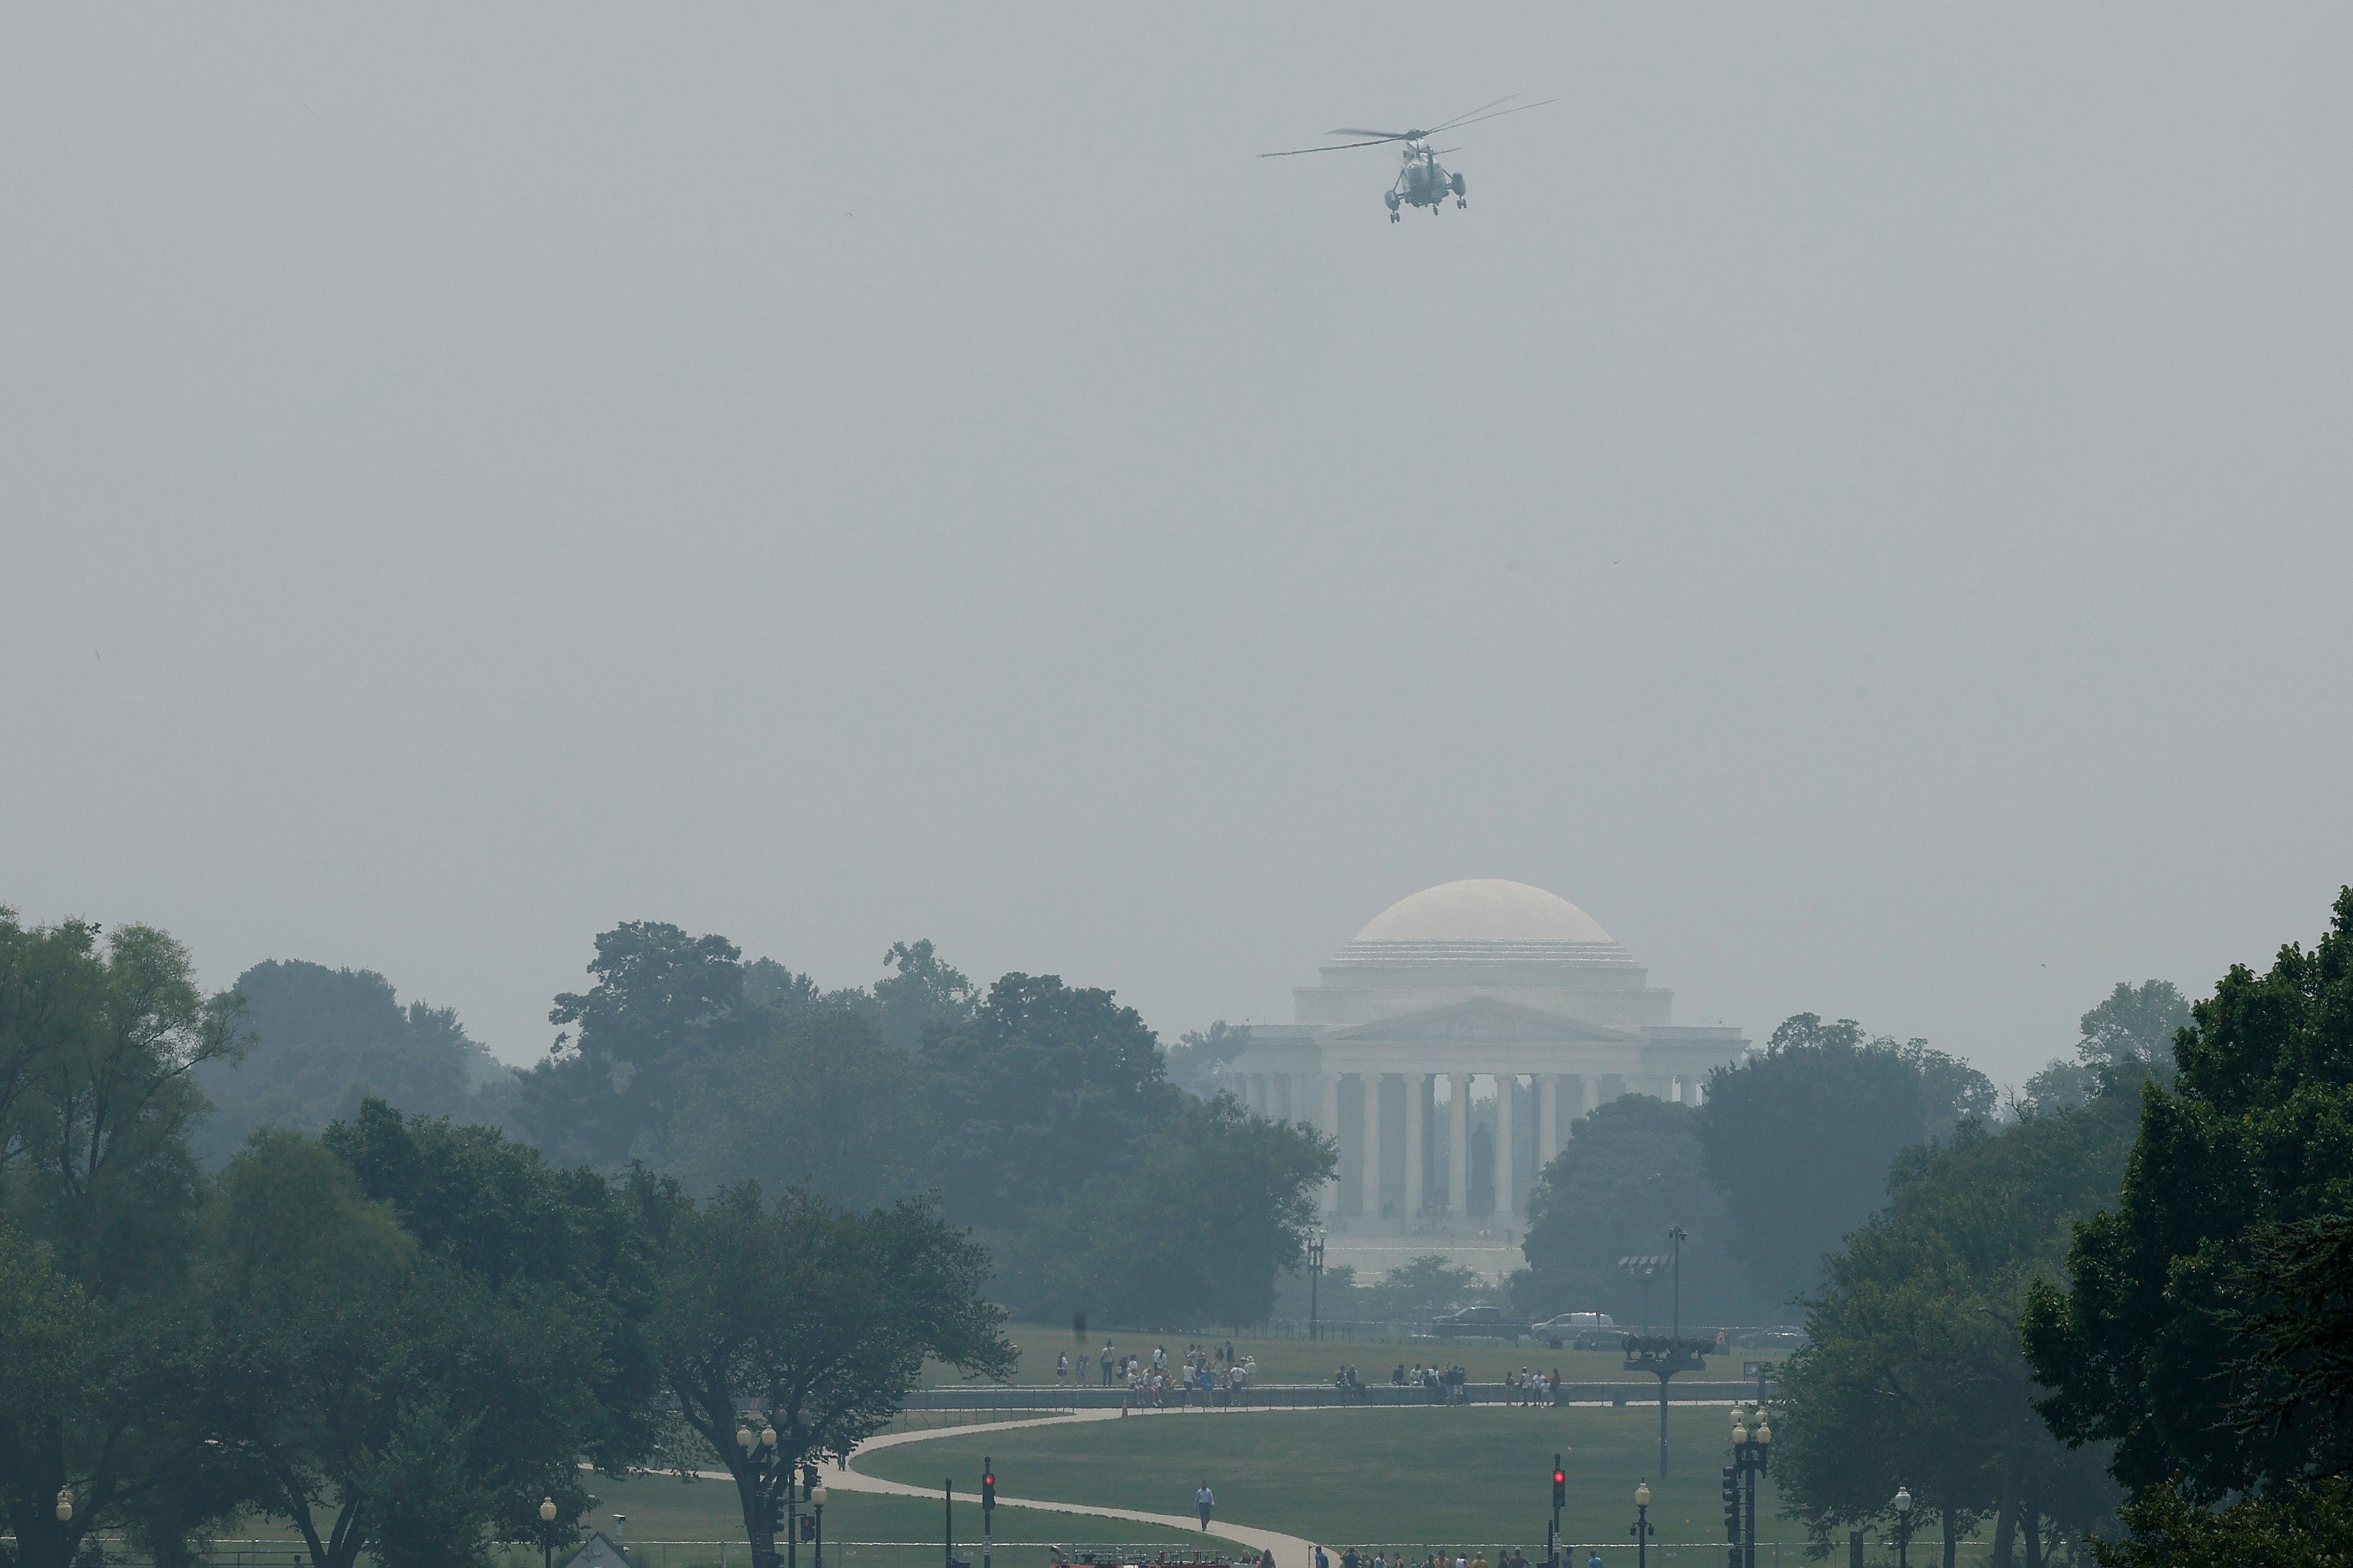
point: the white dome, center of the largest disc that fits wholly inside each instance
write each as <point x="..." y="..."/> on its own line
<point x="1483" y="909"/>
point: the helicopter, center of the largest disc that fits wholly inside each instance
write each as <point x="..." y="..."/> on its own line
<point x="1424" y="182"/>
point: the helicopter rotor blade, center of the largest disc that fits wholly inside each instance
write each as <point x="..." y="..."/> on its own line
<point x="1339" y="147"/>
<point x="1451" y="124"/>
<point x="1383" y="135"/>
<point x="1501" y="112"/>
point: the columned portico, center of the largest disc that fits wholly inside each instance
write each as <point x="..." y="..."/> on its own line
<point x="1450" y="990"/>
<point x="1417" y="1089"/>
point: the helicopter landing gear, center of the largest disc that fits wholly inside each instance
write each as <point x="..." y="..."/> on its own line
<point x="1460" y="202"/>
<point x="1393" y="217"/>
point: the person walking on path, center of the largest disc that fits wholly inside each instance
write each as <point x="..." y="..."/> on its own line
<point x="1204" y="1501"/>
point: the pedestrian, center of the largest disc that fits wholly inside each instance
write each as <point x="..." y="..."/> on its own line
<point x="1266" y="1558"/>
<point x="1204" y="1501"/>
<point x="1595" y="1561"/>
<point x="1322" y="1560"/>
<point x="1062" y="1367"/>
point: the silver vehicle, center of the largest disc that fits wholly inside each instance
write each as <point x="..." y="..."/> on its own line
<point x="1581" y="1331"/>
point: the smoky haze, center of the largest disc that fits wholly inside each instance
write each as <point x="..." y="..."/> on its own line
<point x="1857" y="502"/>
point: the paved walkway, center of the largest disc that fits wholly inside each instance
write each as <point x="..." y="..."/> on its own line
<point x="1290" y="1550"/>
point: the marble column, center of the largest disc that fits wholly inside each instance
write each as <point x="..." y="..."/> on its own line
<point x="1417" y="1085"/>
<point x="1580" y="1090"/>
<point x="1503" y="1118"/>
<point x="1458" y="1147"/>
<point x="1370" y="1192"/>
<point x="1547" y="1118"/>
<point x="1282" y="1082"/>
<point x="1331" y="1124"/>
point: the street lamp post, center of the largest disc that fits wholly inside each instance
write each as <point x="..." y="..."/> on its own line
<point x="1644" y="1529"/>
<point x="1749" y="1451"/>
<point x="1678" y="1235"/>
<point x="816" y="1507"/>
<point x="1903" y="1527"/>
<point x="547" y="1531"/>
<point x="762" y="1462"/>
<point x="1315" y="1278"/>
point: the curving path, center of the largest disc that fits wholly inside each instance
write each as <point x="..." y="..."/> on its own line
<point x="1290" y="1550"/>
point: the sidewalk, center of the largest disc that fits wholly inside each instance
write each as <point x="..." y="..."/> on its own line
<point x="1290" y="1550"/>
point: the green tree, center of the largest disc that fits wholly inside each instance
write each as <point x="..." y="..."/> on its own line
<point x="923" y="996"/>
<point x="1421" y="1288"/>
<point x="1198" y="1060"/>
<point x="1913" y="1374"/>
<point x="97" y="1048"/>
<point x="626" y="1056"/>
<point x="2305" y="1524"/>
<point x="1850" y="1103"/>
<point x="498" y="1213"/>
<point x="325" y="1039"/>
<point x="1046" y="1082"/>
<point x="1197" y="1229"/>
<point x="2142" y="1347"/>
<point x="2126" y="1040"/>
<point x="1632" y="1170"/>
<point x="814" y="1099"/>
<point x="820" y="1319"/>
<point x="381" y="1396"/>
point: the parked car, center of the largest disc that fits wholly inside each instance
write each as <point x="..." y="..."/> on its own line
<point x="1580" y="1331"/>
<point x="1478" y="1323"/>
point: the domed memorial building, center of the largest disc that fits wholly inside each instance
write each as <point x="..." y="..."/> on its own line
<point x="1445" y="998"/>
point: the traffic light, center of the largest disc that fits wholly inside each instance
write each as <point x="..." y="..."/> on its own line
<point x="987" y="1484"/>
<point x="808" y="1527"/>
<point x="776" y="1510"/>
<point x="1559" y="1485"/>
<point x="1731" y="1504"/>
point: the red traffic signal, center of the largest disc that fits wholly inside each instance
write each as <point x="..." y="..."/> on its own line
<point x="988" y="1486"/>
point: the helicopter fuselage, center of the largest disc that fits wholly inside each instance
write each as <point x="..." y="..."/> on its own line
<point x="1424" y="182"/>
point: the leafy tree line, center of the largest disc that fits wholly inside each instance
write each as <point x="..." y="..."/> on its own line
<point x="397" y="1334"/>
<point x="1788" y="1153"/>
<point x="2203" y="1326"/>
<point x="683" y="1056"/>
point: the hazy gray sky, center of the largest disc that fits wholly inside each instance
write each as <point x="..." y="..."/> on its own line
<point x="1858" y="502"/>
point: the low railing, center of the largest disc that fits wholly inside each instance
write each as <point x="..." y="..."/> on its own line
<point x="1290" y="1396"/>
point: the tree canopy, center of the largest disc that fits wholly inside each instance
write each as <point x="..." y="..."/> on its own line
<point x="324" y="1040"/>
<point x="1632" y="1169"/>
<point x="1046" y="1084"/>
<point x="1196" y="1228"/>
<point x="819" y="1318"/>
<point x="1912" y="1374"/>
<point x="1798" y="1138"/>
<point x="2145" y="1345"/>
<point x="2126" y="1040"/>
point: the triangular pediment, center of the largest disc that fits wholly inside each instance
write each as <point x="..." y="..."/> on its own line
<point x="1481" y="1020"/>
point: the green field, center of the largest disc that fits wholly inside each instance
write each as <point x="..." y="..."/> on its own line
<point x="1305" y="1361"/>
<point x="661" y="1507"/>
<point x="1477" y="1474"/>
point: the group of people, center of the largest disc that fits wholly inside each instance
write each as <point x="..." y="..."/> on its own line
<point x="1511" y="1557"/>
<point x="1452" y="1386"/>
<point x="1212" y="1374"/>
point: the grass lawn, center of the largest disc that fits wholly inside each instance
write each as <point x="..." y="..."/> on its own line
<point x="1305" y="1361"/>
<point x="1414" y="1475"/>
<point x="662" y="1508"/>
